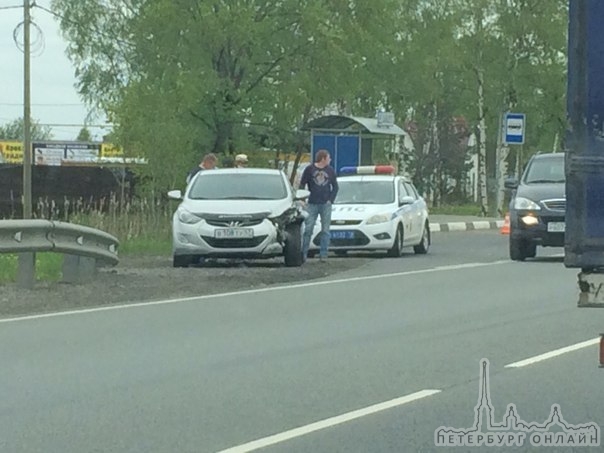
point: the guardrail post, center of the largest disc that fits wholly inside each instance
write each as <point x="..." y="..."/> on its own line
<point x="78" y="269"/>
<point x="26" y="272"/>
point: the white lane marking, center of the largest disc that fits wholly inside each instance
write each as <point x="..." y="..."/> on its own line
<point x="555" y="353"/>
<point x="253" y="291"/>
<point x="329" y="422"/>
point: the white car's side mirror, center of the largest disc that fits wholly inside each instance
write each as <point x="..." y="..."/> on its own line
<point x="175" y="195"/>
<point x="302" y="194"/>
<point x="406" y="200"/>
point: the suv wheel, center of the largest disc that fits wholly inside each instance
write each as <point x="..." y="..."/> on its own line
<point x="520" y="249"/>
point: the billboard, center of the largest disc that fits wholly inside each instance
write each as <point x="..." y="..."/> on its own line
<point x="11" y="152"/>
<point x="56" y="153"/>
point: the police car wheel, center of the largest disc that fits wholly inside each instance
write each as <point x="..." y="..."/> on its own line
<point x="397" y="248"/>
<point x="424" y="244"/>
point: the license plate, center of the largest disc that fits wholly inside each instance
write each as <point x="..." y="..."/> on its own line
<point x="556" y="227"/>
<point x="234" y="233"/>
<point x="342" y="234"/>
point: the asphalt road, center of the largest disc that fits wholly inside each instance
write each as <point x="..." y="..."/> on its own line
<point x="220" y="372"/>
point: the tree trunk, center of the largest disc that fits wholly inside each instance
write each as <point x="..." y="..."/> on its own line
<point x="502" y="153"/>
<point x="482" y="146"/>
<point x="300" y="143"/>
<point x="437" y="186"/>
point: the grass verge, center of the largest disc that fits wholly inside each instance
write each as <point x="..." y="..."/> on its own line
<point x="460" y="209"/>
<point x="143" y="227"/>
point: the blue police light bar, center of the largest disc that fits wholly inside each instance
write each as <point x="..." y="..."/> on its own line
<point x="368" y="170"/>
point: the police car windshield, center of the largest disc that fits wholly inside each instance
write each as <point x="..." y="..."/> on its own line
<point x="545" y="170"/>
<point x="231" y="186"/>
<point x="365" y="192"/>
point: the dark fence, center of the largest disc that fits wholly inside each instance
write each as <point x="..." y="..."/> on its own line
<point x="58" y="190"/>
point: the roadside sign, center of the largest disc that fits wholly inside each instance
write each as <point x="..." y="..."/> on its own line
<point x="514" y="126"/>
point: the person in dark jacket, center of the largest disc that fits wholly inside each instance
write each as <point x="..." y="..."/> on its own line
<point x="208" y="163"/>
<point x="321" y="181"/>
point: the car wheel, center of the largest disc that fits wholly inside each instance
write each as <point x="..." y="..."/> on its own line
<point x="293" y="246"/>
<point x="397" y="248"/>
<point x="424" y="243"/>
<point x="520" y="249"/>
<point x="182" y="260"/>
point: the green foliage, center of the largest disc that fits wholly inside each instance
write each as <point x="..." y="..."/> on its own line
<point x="466" y="209"/>
<point x="14" y="131"/>
<point x="181" y="78"/>
<point x="84" y="135"/>
<point x="143" y="227"/>
<point x="48" y="267"/>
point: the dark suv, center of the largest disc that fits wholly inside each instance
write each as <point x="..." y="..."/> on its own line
<point x="537" y="206"/>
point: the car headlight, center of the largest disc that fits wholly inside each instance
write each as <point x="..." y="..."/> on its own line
<point x="525" y="204"/>
<point x="187" y="217"/>
<point x="379" y="218"/>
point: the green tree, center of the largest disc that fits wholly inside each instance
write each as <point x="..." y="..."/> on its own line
<point x="14" y="131"/>
<point x="476" y="59"/>
<point x="181" y="78"/>
<point x="84" y="135"/>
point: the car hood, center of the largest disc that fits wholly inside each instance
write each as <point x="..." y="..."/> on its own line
<point x="357" y="211"/>
<point x="236" y="208"/>
<point x="538" y="192"/>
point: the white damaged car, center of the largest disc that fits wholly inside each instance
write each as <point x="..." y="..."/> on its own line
<point x="376" y="212"/>
<point x="238" y="213"/>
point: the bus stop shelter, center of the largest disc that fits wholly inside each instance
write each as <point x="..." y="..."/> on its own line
<point x="350" y="140"/>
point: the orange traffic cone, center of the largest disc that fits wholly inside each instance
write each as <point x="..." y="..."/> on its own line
<point x="505" y="229"/>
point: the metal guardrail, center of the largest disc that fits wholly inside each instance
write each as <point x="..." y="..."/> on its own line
<point x="84" y="248"/>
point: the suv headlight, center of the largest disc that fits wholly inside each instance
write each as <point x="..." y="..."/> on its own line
<point x="525" y="204"/>
<point x="379" y="218"/>
<point x="187" y="217"/>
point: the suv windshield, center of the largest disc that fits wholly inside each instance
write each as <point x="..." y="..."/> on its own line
<point x="545" y="170"/>
<point x="365" y="192"/>
<point x="238" y="186"/>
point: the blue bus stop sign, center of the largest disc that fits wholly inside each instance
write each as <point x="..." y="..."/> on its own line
<point x="514" y="126"/>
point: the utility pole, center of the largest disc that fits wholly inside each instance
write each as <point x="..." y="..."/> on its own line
<point x="27" y="157"/>
<point x="27" y="261"/>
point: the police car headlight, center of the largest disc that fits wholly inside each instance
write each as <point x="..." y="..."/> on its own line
<point x="379" y="218"/>
<point x="525" y="204"/>
<point x="187" y="217"/>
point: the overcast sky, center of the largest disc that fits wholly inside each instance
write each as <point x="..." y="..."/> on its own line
<point x="53" y="95"/>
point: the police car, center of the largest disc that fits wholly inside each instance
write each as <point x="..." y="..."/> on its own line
<point x="376" y="210"/>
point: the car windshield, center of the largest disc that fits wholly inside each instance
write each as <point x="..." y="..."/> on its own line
<point x="238" y="186"/>
<point x="545" y="170"/>
<point x="365" y="192"/>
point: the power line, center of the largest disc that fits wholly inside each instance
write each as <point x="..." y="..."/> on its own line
<point x="103" y="126"/>
<point x="20" y="104"/>
<point x="11" y="7"/>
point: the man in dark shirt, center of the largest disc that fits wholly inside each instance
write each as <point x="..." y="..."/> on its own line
<point x="208" y="163"/>
<point x="322" y="183"/>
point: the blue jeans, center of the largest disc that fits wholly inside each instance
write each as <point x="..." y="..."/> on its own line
<point x="314" y="211"/>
